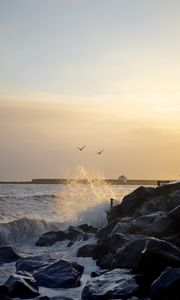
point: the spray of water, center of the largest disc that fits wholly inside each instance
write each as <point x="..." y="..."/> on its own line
<point x="86" y="198"/>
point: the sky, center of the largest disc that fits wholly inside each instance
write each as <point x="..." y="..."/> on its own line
<point x="100" y="73"/>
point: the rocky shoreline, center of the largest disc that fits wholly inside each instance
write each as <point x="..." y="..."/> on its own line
<point x="138" y="253"/>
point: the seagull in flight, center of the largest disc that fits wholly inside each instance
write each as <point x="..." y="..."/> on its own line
<point x="99" y="152"/>
<point x="81" y="148"/>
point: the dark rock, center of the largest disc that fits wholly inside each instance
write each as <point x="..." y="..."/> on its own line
<point x="60" y="274"/>
<point x="31" y="264"/>
<point x="115" y="284"/>
<point x="155" y="224"/>
<point x="167" y="286"/>
<point x="86" y="251"/>
<point x="129" y="256"/>
<point x="167" y="189"/>
<point x="106" y="230"/>
<point x="23" y="287"/>
<point x="8" y="255"/>
<point x="4" y="292"/>
<point x="156" y="256"/>
<point x="173" y="239"/>
<point x="97" y="273"/>
<point x="53" y="298"/>
<point x="174" y="199"/>
<point x="51" y="237"/>
<point x="175" y="215"/>
<point x="87" y="228"/>
<point x="131" y="202"/>
<point x="74" y="233"/>
<point x="156" y="204"/>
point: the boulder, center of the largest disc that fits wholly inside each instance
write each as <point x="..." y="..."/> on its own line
<point x="174" y="199"/>
<point x="128" y="257"/>
<point x="156" y="204"/>
<point x="4" y="292"/>
<point x="115" y="284"/>
<point x="86" y="251"/>
<point x="106" y="230"/>
<point x="23" y="287"/>
<point x="50" y="238"/>
<point x="173" y="239"/>
<point x="29" y="265"/>
<point x="8" y="255"/>
<point x="61" y="274"/>
<point x="131" y="202"/>
<point x="168" y="188"/>
<point x="167" y="285"/>
<point x="74" y="233"/>
<point x="156" y="256"/>
<point x="87" y="228"/>
<point x="175" y="215"/>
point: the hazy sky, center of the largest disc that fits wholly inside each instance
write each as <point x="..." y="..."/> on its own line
<point x="101" y="73"/>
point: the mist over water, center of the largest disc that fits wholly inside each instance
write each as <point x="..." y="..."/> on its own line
<point x="85" y="203"/>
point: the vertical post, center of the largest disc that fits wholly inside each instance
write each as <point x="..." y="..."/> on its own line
<point x="111" y="203"/>
<point x="158" y="183"/>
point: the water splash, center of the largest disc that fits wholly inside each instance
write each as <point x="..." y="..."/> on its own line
<point x="85" y="203"/>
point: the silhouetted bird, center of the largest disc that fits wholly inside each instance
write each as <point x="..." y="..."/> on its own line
<point x="81" y="148"/>
<point x="100" y="151"/>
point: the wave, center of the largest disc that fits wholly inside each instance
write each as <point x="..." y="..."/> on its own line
<point x="25" y="230"/>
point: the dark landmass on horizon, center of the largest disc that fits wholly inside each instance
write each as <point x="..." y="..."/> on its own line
<point x="85" y="181"/>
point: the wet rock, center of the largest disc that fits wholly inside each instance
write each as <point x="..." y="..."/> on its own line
<point x="74" y="233"/>
<point x="8" y="255"/>
<point x="4" y="292"/>
<point x="167" y="189"/>
<point x="174" y="199"/>
<point x="173" y="239"/>
<point x="23" y="287"/>
<point x="50" y="238"/>
<point x="175" y="215"/>
<point x="114" y="284"/>
<point x="129" y="256"/>
<point x="31" y="264"/>
<point x="86" y="251"/>
<point x="167" y="285"/>
<point x="53" y="298"/>
<point x="60" y="274"/>
<point x="106" y="230"/>
<point x="156" y="204"/>
<point x="87" y="228"/>
<point x="131" y="202"/>
<point x="156" y="256"/>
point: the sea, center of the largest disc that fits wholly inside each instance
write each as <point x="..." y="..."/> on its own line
<point x="29" y="210"/>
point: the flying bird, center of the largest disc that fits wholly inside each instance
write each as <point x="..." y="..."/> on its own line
<point x="99" y="152"/>
<point x="81" y="148"/>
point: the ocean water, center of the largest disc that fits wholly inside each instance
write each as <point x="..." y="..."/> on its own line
<point x="27" y="211"/>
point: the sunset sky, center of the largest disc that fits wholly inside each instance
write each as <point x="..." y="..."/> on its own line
<point x="101" y="73"/>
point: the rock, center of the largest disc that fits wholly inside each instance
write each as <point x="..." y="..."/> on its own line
<point x="74" y="233"/>
<point x="173" y="239"/>
<point x="167" y="285"/>
<point x="174" y="199"/>
<point x="175" y="215"/>
<point x="50" y="238"/>
<point x="155" y="224"/>
<point x="156" y="256"/>
<point x="156" y="204"/>
<point x="128" y="257"/>
<point x="23" y="287"/>
<point x="53" y="298"/>
<point x="87" y="228"/>
<point x="106" y="230"/>
<point x="131" y="202"/>
<point x="29" y="265"/>
<point x="60" y="274"/>
<point x="167" y="189"/>
<point x="4" y="292"/>
<point x="86" y="251"/>
<point x="8" y="255"/>
<point x="114" y="284"/>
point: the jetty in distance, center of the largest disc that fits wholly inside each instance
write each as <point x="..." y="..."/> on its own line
<point x="85" y="181"/>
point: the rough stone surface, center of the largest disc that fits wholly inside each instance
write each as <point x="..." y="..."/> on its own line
<point x="60" y="274"/>
<point x="8" y="255"/>
<point x="115" y="284"/>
